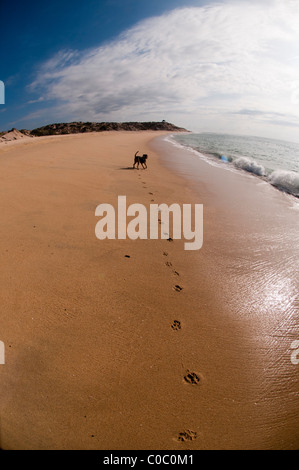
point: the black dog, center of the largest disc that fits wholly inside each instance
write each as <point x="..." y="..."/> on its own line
<point x="138" y="159"/>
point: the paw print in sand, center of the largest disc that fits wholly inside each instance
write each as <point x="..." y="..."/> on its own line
<point x="192" y="378"/>
<point x="187" y="435"/>
<point x="176" y="325"/>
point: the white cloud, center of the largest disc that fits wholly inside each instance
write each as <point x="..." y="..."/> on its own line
<point x="199" y="67"/>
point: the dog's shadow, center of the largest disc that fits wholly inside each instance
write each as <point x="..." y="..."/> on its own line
<point x="128" y="168"/>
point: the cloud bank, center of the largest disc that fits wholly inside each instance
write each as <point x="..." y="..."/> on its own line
<point x="232" y="66"/>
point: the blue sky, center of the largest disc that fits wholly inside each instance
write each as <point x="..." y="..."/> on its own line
<point x="35" y="31"/>
<point x="220" y="66"/>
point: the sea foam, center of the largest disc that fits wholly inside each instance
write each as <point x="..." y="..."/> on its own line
<point x="259" y="156"/>
<point x="287" y="181"/>
<point x="250" y="165"/>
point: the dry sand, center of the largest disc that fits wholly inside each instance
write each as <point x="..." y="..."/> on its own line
<point x="13" y="136"/>
<point x="98" y="345"/>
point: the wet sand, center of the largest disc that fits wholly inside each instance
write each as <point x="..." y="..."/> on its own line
<point x="101" y="351"/>
<point x="250" y="260"/>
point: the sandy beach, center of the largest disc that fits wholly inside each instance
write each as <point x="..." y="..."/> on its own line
<point x="101" y="350"/>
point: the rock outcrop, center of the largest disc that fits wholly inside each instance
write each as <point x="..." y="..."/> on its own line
<point x="83" y="127"/>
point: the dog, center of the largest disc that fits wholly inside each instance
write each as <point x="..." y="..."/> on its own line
<point x="138" y="159"/>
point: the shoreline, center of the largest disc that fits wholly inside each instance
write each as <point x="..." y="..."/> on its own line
<point x="99" y="346"/>
<point x="194" y="154"/>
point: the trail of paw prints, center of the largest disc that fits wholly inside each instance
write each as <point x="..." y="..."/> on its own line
<point x="191" y="378"/>
<point x="145" y="187"/>
<point x="169" y="265"/>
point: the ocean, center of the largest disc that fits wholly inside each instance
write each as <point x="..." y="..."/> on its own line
<point x="275" y="161"/>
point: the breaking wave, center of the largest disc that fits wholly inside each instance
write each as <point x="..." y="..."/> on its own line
<point x="249" y="165"/>
<point x="287" y="181"/>
<point x="283" y="179"/>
